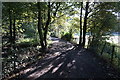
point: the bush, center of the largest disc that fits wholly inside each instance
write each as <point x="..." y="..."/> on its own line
<point x="52" y="35"/>
<point x="28" y="42"/>
<point x="67" y="36"/>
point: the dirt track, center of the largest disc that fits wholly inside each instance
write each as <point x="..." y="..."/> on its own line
<point x="65" y="61"/>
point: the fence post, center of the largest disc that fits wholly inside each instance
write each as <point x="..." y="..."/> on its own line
<point x="103" y="48"/>
<point x="113" y="49"/>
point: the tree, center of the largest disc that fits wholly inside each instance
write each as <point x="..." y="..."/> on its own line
<point x="40" y="26"/>
<point x="80" y="37"/>
<point x="101" y="23"/>
<point x="85" y="22"/>
<point x="47" y="24"/>
<point x="53" y="10"/>
<point x="14" y="14"/>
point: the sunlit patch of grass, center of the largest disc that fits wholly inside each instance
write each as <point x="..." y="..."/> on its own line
<point x="27" y="42"/>
<point x="24" y="40"/>
<point x="39" y="57"/>
<point x="38" y="47"/>
<point x="86" y="46"/>
<point x="49" y="42"/>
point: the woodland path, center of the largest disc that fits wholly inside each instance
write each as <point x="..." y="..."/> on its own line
<point x="66" y="61"/>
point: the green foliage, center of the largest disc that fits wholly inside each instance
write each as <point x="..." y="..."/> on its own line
<point x="75" y="24"/>
<point x="102" y="22"/>
<point x="67" y="36"/>
<point x="53" y="34"/>
<point x="27" y="42"/>
<point x="29" y="30"/>
<point x="63" y="23"/>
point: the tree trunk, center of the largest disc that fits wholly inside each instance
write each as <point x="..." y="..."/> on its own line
<point x="80" y="38"/>
<point x="47" y="24"/>
<point x="14" y="31"/>
<point x="10" y="26"/>
<point x="40" y="27"/>
<point x="85" y="23"/>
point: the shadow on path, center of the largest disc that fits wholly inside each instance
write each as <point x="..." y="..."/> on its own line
<point x="73" y="63"/>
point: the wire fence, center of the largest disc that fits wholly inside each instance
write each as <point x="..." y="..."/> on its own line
<point x="108" y="51"/>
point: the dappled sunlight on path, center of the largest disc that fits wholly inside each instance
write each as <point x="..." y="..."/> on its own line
<point x="66" y="61"/>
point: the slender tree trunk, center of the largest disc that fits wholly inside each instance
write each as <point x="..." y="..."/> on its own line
<point x="85" y="23"/>
<point x="40" y="27"/>
<point x="14" y="30"/>
<point x="80" y="38"/>
<point x="92" y="35"/>
<point x="47" y="24"/>
<point x="10" y="26"/>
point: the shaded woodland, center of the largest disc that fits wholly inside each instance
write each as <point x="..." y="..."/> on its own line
<point x="30" y="30"/>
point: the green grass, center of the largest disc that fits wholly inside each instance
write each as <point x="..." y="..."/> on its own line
<point x="23" y="40"/>
<point x="116" y="61"/>
<point x="107" y="53"/>
<point x="49" y="42"/>
<point x="31" y="41"/>
<point x="27" y="42"/>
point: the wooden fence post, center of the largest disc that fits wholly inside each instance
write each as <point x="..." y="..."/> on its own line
<point x="113" y="49"/>
<point x="103" y="48"/>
